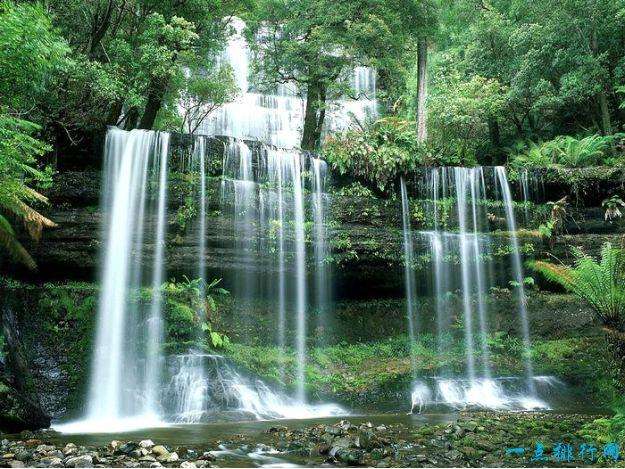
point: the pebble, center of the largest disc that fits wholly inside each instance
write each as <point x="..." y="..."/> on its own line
<point x="474" y="441"/>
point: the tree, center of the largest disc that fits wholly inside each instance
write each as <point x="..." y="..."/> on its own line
<point x="202" y="94"/>
<point x="316" y="43"/>
<point x="18" y="153"/>
<point x="559" y="65"/>
<point x="137" y="52"/>
<point x="29" y="52"/>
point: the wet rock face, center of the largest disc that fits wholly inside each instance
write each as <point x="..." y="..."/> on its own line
<point x="18" y="412"/>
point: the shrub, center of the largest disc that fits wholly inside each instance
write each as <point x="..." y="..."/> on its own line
<point x="567" y="151"/>
<point x="600" y="283"/>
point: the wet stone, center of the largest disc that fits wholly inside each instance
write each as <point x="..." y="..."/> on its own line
<point x="79" y="461"/>
<point x="146" y="444"/>
<point x="160" y="450"/>
<point x="127" y="448"/>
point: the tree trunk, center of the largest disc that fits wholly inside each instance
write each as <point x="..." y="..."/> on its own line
<point x="604" y="109"/>
<point x="131" y="118"/>
<point x="602" y="98"/>
<point x="99" y="28"/>
<point x="422" y="90"/>
<point x="495" y="140"/>
<point x="153" y="105"/>
<point x="314" y="115"/>
<point x="114" y="113"/>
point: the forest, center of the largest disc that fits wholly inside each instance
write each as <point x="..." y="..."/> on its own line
<point x="383" y="233"/>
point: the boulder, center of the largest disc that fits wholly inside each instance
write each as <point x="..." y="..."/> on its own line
<point x="159" y="450"/>
<point x="69" y="449"/>
<point x="146" y="444"/>
<point x="80" y="461"/>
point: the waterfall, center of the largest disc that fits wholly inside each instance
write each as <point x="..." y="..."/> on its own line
<point x="300" y="275"/>
<point x="125" y="379"/>
<point x="519" y="277"/>
<point x="461" y="176"/>
<point x="276" y="176"/>
<point x="278" y="118"/>
<point x="199" y="155"/>
<point x="321" y="247"/>
<point x="466" y="238"/>
<point x="239" y="190"/>
<point x="155" y="323"/>
<point x="409" y="277"/>
<point x="266" y="191"/>
<point x="223" y="393"/>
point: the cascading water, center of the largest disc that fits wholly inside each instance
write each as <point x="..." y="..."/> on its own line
<point x="222" y="393"/>
<point x="322" y="286"/>
<point x="155" y="322"/>
<point x="124" y="394"/>
<point x="128" y="377"/>
<point x="277" y="119"/>
<point x="471" y="244"/>
<point x="518" y="274"/>
<point x="267" y="203"/>
<point x="409" y="278"/>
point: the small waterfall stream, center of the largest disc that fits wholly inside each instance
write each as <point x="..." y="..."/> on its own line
<point x="519" y="277"/>
<point x="323" y="285"/>
<point x="155" y="322"/>
<point x="268" y="205"/>
<point x="464" y="235"/>
<point x="409" y="277"/>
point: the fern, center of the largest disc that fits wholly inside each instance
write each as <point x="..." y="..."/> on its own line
<point x="18" y="154"/>
<point x="601" y="283"/>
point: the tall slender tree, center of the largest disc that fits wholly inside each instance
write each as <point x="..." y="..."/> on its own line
<point x="315" y="43"/>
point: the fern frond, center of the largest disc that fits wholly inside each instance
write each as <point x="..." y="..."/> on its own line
<point x="600" y="283"/>
<point x="13" y="246"/>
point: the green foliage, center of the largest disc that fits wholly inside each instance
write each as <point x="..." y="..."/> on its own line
<point x="385" y="150"/>
<point x="202" y="92"/>
<point x="18" y="154"/>
<point x="355" y="190"/>
<point x="503" y="71"/>
<point x="566" y="151"/>
<point x="349" y="370"/>
<point x="190" y="309"/>
<point x="29" y="52"/>
<point x="612" y="207"/>
<point x="460" y="110"/>
<point x="606" y="430"/>
<point x="600" y="283"/>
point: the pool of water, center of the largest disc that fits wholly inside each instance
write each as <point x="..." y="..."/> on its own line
<point x="209" y="434"/>
<point x="252" y="444"/>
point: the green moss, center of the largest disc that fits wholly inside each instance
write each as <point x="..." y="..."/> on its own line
<point x="351" y="369"/>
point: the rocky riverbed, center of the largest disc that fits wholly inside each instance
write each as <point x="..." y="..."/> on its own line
<point x="474" y="439"/>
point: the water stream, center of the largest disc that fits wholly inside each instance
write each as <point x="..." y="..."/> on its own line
<point x="464" y="234"/>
